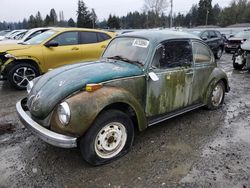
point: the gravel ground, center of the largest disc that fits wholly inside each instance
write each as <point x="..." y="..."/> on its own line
<point x="198" y="149"/>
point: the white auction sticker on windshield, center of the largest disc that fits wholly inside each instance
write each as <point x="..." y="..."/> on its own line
<point x="141" y="43"/>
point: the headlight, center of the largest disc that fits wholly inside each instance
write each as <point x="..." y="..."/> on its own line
<point x="10" y="56"/>
<point x="30" y="86"/>
<point x="63" y="113"/>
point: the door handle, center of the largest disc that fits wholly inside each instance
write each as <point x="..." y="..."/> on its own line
<point x="103" y="46"/>
<point x="75" y="48"/>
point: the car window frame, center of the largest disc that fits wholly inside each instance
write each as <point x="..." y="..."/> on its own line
<point x="209" y="50"/>
<point x="151" y="67"/>
<point x="212" y="36"/>
<point x="81" y="39"/>
<point x="60" y="33"/>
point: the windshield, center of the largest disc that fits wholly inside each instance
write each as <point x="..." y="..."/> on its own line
<point x="243" y="34"/>
<point x="197" y="33"/>
<point x="40" y="38"/>
<point x="130" y="49"/>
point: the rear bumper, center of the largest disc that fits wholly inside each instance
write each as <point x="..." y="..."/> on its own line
<point x="46" y="135"/>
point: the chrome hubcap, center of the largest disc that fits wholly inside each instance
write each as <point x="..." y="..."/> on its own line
<point x="23" y="75"/>
<point x="110" y="140"/>
<point x="217" y="95"/>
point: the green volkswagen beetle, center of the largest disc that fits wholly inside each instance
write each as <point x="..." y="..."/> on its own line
<point x="143" y="78"/>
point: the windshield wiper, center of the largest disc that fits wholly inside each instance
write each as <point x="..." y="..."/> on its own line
<point x="117" y="57"/>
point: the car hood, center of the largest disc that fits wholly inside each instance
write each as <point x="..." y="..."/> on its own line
<point x="9" y="42"/>
<point x="246" y="45"/>
<point x="235" y="39"/>
<point x="11" y="47"/>
<point x="56" y="85"/>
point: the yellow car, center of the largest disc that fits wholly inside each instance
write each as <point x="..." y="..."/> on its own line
<point x="53" y="48"/>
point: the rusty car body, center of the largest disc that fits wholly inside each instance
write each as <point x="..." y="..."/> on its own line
<point x="143" y="78"/>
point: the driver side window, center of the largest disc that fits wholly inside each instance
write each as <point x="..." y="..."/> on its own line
<point x="173" y="54"/>
<point x="67" y="38"/>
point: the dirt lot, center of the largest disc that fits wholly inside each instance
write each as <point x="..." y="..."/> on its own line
<point x="199" y="149"/>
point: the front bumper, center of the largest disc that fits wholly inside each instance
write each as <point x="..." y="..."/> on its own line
<point x="46" y="135"/>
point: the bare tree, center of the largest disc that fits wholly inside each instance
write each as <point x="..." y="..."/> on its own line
<point x="157" y="6"/>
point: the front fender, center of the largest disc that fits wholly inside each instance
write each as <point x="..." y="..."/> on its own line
<point x="86" y="106"/>
<point x="9" y="62"/>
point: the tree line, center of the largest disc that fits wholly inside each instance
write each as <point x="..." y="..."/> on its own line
<point x="152" y="16"/>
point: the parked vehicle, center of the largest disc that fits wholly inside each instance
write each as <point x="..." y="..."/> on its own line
<point x="8" y="34"/>
<point x="241" y="58"/>
<point x="28" y="35"/>
<point x="22" y="62"/>
<point x="234" y="42"/>
<point x="4" y="32"/>
<point x="214" y="40"/>
<point x="16" y="34"/>
<point x="143" y="78"/>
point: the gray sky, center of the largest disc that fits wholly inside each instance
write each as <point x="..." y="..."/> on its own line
<point x="16" y="10"/>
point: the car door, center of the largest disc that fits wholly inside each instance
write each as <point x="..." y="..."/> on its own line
<point x="213" y="41"/>
<point x="93" y="44"/>
<point x="68" y="50"/>
<point x="203" y="67"/>
<point x="172" y="64"/>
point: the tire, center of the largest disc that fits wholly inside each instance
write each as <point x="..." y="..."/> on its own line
<point x="219" y="53"/>
<point x="216" y="98"/>
<point x="109" y="138"/>
<point x="20" y="74"/>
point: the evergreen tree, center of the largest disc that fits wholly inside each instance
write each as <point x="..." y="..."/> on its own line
<point x="53" y="17"/>
<point x="83" y="16"/>
<point x="113" y="22"/>
<point x="71" y="23"/>
<point x="32" y="22"/>
<point x="39" y="20"/>
<point x="47" y="21"/>
<point x="205" y="14"/>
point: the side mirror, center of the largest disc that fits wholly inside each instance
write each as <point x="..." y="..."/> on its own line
<point x="231" y="36"/>
<point x="51" y="44"/>
<point x="153" y="76"/>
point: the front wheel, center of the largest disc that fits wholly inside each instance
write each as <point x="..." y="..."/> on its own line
<point x="216" y="96"/>
<point x="109" y="138"/>
<point x="20" y="74"/>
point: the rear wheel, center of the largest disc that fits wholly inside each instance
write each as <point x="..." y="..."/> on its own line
<point x="20" y="74"/>
<point x="216" y="96"/>
<point x="110" y="137"/>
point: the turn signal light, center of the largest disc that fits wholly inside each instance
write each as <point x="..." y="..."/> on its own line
<point x="93" y="87"/>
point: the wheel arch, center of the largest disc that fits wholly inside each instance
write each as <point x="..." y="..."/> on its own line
<point x="11" y="63"/>
<point x="216" y="76"/>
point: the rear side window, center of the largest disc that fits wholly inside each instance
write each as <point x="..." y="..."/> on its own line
<point x="103" y="37"/>
<point x="88" y="37"/>
<point x="201" y="53"/>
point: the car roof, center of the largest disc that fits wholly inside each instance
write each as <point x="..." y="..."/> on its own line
<point x="158" y="36"/>
<point x="61" y="29"/>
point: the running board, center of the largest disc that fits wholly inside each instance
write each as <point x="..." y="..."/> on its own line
<point x="173" y="114"/>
